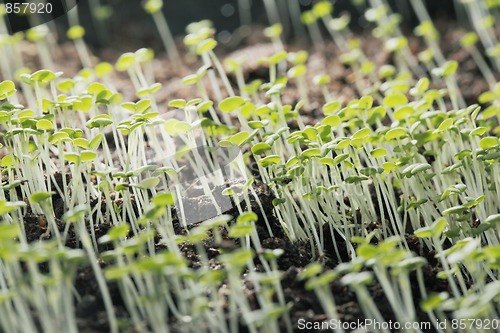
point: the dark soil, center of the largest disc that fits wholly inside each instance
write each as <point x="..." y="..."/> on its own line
<point x="90" y="310"/>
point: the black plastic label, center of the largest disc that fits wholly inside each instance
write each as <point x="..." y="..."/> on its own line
<point x="21" y="15"/>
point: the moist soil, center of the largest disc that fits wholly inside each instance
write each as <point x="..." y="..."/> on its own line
<point x="90" y="309"/>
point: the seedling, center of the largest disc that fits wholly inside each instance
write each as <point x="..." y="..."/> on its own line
<point x="76" y="33"/>
<point x="154" y="8"/>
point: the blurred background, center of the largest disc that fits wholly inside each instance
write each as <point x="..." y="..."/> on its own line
<point x="126" y="22"/>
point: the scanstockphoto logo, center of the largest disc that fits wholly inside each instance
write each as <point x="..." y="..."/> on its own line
<point x="205" y="181"/>
<point x="22" y="15"/>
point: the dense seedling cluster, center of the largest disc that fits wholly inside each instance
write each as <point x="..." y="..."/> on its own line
<point x="397" y="187"/>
